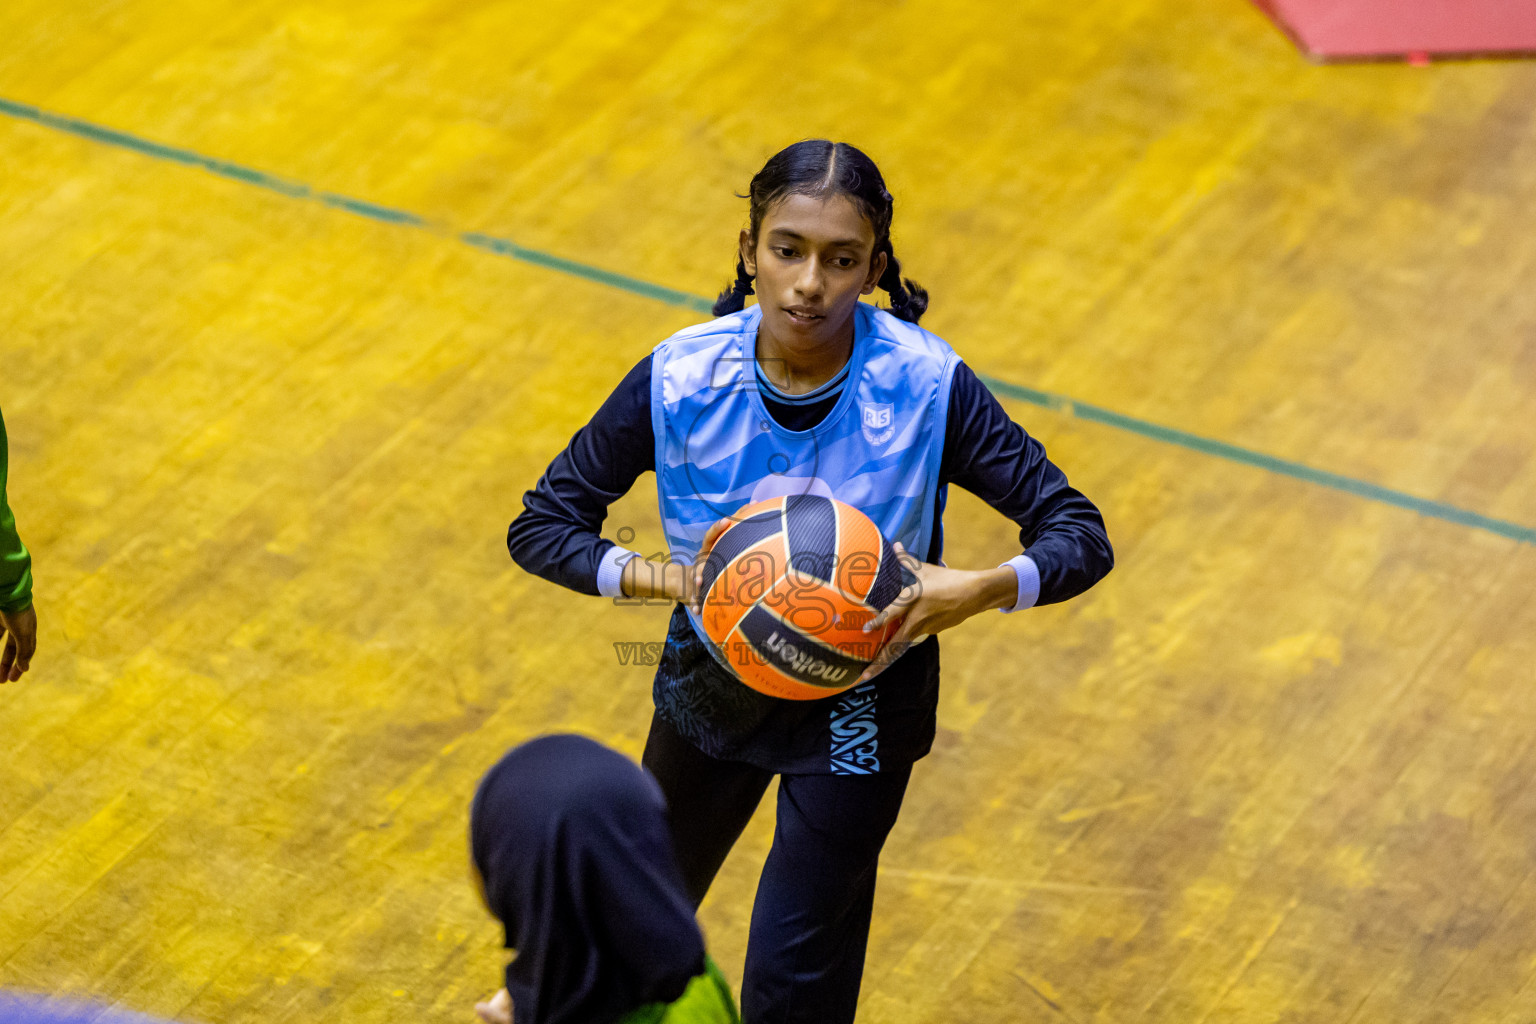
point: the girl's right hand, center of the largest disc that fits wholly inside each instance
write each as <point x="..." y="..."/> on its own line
<point x="695" y="597"/>
<point x="19" y="630"/>
<point x="657" y="579"/>
<point x="497" y="1009"/>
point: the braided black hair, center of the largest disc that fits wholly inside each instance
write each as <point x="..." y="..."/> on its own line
<point x="820" y="168"/>
<point x="735" y="297"/>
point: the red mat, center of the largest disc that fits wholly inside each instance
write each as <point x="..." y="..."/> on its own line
<point x="1410" y="29"/>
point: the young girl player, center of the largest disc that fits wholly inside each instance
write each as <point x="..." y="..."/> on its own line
<point x="808" y="391"/>
<point x="571" y="851"/>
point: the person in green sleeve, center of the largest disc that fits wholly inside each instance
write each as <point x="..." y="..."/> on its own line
<point x="16" y="613"/>
<point x="571" y="851"/>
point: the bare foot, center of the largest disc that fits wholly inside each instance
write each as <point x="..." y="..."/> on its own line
<point x="497" y="1009"/>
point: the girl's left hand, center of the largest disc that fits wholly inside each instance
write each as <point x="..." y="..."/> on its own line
<point x="497" y="1009"/>
<point x="940" y="598"/>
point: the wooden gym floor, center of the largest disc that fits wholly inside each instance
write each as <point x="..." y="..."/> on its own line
<point x="266" y="440"/>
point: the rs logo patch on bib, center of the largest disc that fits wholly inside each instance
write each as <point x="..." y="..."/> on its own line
<point x="878" y="425"/>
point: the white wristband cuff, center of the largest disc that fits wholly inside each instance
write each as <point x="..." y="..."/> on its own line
<point x="610" y="571"/>
<point x="1029" y="582"/>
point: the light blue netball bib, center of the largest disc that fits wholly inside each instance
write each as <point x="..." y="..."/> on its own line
<point x="878" y="449"/>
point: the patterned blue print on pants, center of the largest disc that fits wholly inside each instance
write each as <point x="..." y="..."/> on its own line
<point x="855" y="733"/>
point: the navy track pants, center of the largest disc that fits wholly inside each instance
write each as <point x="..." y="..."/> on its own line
<point x="810" y="922"/>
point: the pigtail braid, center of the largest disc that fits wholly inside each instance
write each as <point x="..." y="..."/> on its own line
<point x="734" y="298"/>
<point x="908" y="299"/>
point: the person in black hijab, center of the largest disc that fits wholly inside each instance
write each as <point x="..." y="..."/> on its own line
<point x="570" y="845"/>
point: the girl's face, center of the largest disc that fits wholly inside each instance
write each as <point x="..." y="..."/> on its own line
<point x="812" y="261"/>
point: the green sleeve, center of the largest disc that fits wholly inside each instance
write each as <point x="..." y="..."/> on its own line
<point x="15" y="563"/>
<point x="706" y="1000"/>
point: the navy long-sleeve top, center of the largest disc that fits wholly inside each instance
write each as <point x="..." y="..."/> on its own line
<point x="557" y="536"/>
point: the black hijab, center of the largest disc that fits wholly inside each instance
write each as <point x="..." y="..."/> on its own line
<point x="571" y="840"/>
